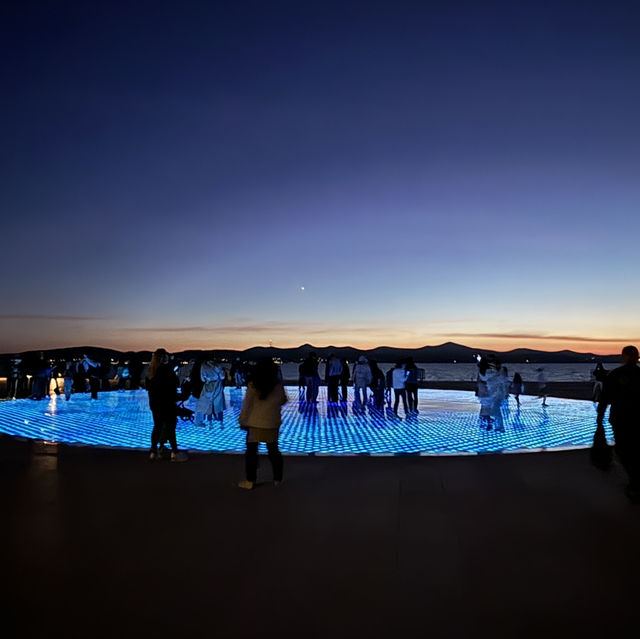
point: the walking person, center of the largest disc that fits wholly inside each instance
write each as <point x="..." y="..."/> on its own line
<point x="162" y="386"/>
<point x="333" y="371"/>
<point x="517" y="387"/>
<point x="362" y="377"/>
<point x="621" y="391"/>
<point x="399" y="380"/>
<point x="543" y="388"/>
<point x="309" y="370"/>
<point x="413" y="377"/>
<point x="599" y="374"/>
<point x="261" y="417"/>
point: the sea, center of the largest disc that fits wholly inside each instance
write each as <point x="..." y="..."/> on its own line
<point x="467" y="372"/>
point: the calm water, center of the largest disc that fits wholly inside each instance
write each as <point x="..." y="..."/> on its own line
<point x="467" y="372"/>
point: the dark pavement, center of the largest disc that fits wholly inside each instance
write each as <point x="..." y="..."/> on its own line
<point x="103" y="543"/>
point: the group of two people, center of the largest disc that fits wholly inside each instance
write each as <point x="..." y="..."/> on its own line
<point x="260" y="415"/>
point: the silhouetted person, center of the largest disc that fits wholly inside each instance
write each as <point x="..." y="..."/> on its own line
<point x="599" y="374"/>
<point x="344" y="378"/>
<point x="135" y="371"/>
<point x="543" y="388"/>
<point x="377" y="385"/>
<point x="517" y="387"/>
<point x="413" y="377"/>
<point x="333" y="372"/>
<point x="399" y="377"/>
<point x="309" y="370"/>
<point x="92" y="369"/>
<point x="621" y="391"/>
<point x="162" y="385"/>
<point x="482" y="391"/>
<point x="69" y="374"/>
<point x="261" y="417"/>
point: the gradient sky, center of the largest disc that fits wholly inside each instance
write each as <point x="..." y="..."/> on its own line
<point x="172" y="173"/>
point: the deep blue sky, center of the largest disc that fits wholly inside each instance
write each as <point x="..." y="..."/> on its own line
<point x="174" y="173"/>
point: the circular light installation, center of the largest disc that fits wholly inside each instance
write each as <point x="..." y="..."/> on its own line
<point x="447" y="424"/>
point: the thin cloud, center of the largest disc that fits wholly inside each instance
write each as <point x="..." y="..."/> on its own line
<point x="270" y="327"/>
<point x="557" y="338"/>
<point x="64" y="318"/>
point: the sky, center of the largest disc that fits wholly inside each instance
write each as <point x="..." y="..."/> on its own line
<point x="230" y="174"/>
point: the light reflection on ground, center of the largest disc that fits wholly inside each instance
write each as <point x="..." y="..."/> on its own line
<point x="446" y="424"/>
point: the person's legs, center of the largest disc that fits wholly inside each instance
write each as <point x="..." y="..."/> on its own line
<point x="67" y="389"/>
<point x="628" y="450"/>
<point x="170" y="434"/>
<point x="344" y="392"/>
<point x="275" y="457"/>
<point x="409" y="397"/>
<point x="333" y="388"/>
<point x="155" y="433"/>
<point x="95" y="383"/>
<point x="403" y="394"/>
<point x="396" y="392"/>
<point x="251" y="461"/>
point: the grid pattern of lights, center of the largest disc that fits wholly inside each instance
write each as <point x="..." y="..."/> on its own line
<point x="447" y="424"/>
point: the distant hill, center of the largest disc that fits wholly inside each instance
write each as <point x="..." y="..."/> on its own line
<point x="442" y="353"/>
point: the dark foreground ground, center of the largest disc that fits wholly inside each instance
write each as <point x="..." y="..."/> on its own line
<point x="100" y="543"/>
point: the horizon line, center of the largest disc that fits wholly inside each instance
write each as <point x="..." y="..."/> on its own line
<point x="308" y="345"/>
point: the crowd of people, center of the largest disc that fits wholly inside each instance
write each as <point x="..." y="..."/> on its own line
<point x="173" y="387"/>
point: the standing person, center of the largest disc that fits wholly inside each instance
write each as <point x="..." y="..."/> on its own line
<point x="93" y="370"/>
<point x="599" y="374"/>
<point x="377" y="385"/>
<point x="543" y="389"/>
<point x="413" y="377"/>
<point x="388" y="378"/>
<point x="333" y="371"/>
<point x="135" y="371"/>
<point x="211" y="401"/>
<point x="517" y="387"/>
<point x="621" y="391"/>
<point x="261" y="417"/>
<point x="497" y="381"/>
<point x="482" y="391"/>
<point x="362" y="377"/>
<point x="344" y="378"/>
<point x="309" y="370"/>
<point x="15" y="375"/>
<point x="399" y="380"/>
<point x="162" y="386"/>
<point x="68" y="375"/>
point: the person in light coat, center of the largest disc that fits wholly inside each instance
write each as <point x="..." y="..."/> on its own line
<point x="399" y="380"/>
<point x="362" y="377"/>
<point x="210" y="404"/>
<point x="261" y="417"/>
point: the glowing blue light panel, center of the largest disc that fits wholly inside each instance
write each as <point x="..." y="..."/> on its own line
<point x="447" y="424"/>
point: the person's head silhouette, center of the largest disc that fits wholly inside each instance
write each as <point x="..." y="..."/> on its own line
<point x="630" y="355"/>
